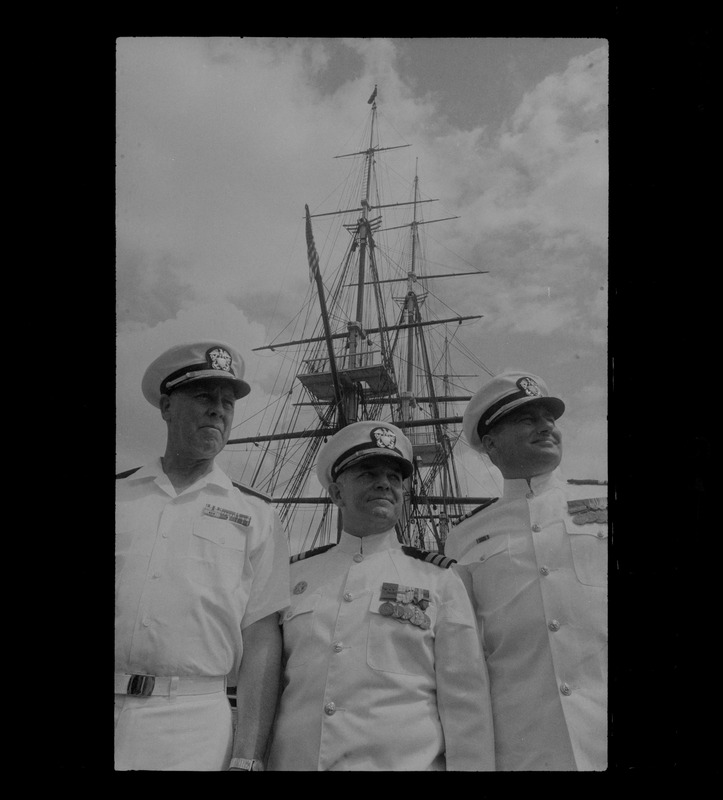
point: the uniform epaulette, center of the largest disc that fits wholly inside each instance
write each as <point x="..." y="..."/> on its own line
<point x="475" y="510"/>
<point x="250" y="490"/>
<point x="125" y="474"/>
<point x="430" y="556"/>
<point x="317" y="551"/>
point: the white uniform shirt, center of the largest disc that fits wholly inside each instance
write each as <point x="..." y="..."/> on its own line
<point x="538" y="582"/>
<point x="363" y="691"/>
<point x="188" y="582"/>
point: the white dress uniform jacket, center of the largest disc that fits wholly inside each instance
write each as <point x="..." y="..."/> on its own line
<point x="364" y="691"/>
<point x="192" y="571"/>
<point x="537" y="575"/>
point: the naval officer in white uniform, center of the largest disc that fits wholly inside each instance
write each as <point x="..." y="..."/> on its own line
<point x="383" y="667"/>
<point x="202" y="570"/>
<point x="535" y="564"/>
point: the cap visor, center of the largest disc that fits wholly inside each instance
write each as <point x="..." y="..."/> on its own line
<point x="241" y="388"/>
<point x="375" y="452"/>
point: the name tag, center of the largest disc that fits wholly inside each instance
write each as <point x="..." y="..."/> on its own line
<point x="225" y="513"/>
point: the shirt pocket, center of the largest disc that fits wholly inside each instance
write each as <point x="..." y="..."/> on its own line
<point x="400" y="647"/>
<point x="124" y="538"/>
<point x="494" y="575"/>
<point x="299" y="626"/>
<point x="493" y="547"/>
<point x="589" y="546"/>
<point x="217" y="553"/>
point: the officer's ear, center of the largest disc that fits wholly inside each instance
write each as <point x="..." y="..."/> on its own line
<point x="335" y="494"/>
<point x="165" y="405"/>
<point x="488" y="445"/>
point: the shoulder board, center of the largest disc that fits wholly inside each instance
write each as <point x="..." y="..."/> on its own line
<point x="255" y="492"/>
<point x="475" y="510"/>
<point x="125" y="474"/>
<point x="429" y="556"/>
<point x="317" y="551"/>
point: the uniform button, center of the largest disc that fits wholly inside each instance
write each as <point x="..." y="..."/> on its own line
<point x="535" y="527"/>
<point x="482" y="557"/>
<point x="600" y="534"/>
<point x="348" y="597"/>
<point x="358" y="557"/>
<point x="146" y="622"/>
<point x="565" y="689"/>
<point x="530" y="495"/>
<point x="329" y="709"/>
<point x="338" y="647"/>
<point x="164" y="535"/>
<point x="544" y="571"/>
<point x="156" y="575"/>
<point x="554" y="625"/>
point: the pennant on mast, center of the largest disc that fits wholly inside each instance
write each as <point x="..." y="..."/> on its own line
<point x="311" y="253"/>
<point x="374" y="95"/>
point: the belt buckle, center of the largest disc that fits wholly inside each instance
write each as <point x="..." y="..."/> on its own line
<point x="141" y="685"/>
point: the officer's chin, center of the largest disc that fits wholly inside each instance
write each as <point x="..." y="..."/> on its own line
<point x="383" y="511"/>
<point x="209" y="449"/>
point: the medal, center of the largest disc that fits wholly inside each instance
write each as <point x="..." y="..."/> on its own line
<point x="405" y="604"/>
<point x="593" y="509"/>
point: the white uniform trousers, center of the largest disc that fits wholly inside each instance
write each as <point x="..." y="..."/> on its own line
<point x="185" y="732"/>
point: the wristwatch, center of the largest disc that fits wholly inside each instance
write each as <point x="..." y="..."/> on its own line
<point x="246" y="764"/>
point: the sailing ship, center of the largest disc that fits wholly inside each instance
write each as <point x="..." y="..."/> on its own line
<point x="368" y="346"/>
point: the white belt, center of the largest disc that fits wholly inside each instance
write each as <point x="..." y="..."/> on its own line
<point x="147" y="685"/>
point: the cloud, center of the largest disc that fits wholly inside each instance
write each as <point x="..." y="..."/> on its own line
<point x="148" y="289"/>
<point x="221" y="142"/>
<point x="546" y="172"/>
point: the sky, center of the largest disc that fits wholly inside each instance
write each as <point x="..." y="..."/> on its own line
<point x="220" y="142"/>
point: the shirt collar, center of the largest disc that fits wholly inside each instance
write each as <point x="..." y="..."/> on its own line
<point x="374" y="543"/>
<point x="154" y="471"/>
<point x="515" y="488"/>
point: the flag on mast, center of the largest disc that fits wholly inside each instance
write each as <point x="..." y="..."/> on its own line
<point x="373" y="97"/>
<point x="311" y="253"/>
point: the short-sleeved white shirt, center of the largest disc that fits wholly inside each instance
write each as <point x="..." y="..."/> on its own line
<point x="192" y="571"/>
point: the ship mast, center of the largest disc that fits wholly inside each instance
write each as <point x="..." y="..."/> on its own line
<point x="372" y="365"/>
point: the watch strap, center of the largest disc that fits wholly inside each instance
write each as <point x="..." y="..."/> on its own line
<point x="247" y="764"/>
